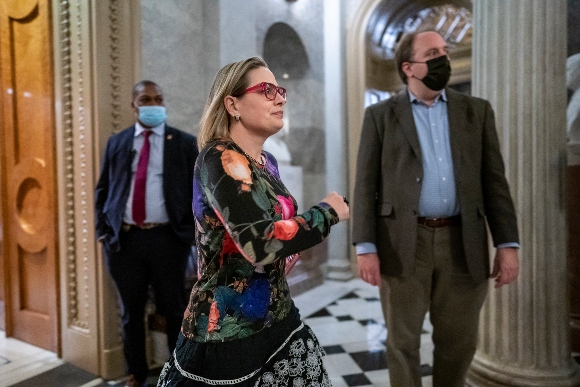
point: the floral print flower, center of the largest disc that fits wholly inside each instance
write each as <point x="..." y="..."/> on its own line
<point x="296" y="370"/>
<point x="239" y="235"/>
<point x="312" y="360"/>
<point x="268" y="377"/>
<point x="299" y="382"/>
<point x="287" y="207"/>
<point x="214" y="315"/>
<point x="297" y="348"/>
<point x="296" y="367"/>
<point x="237" y="167"/>
<point x="285" y="229"/>
<point x="281" y="367"/>
<point x="256" y="299"/>
<point x="228" y="247"/>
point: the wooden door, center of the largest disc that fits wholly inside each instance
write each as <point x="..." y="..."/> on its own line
<point x="28" y="160"/>
<point x="2" y="265"/>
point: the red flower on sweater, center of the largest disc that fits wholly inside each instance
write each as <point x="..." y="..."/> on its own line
<point x="285" y="229"/>
<point x="214" y="316"/>
<point x="287" y="207"/>
<point x="228" y="247"/>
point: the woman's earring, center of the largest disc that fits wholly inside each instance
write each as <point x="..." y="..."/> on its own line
<point x="237" y="117"/>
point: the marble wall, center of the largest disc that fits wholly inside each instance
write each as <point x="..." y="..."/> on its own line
<point x="305" y="132"/>
<point x="181" y="52"/>
<point x="185" y="42"/>
<point x="244" y="27"/>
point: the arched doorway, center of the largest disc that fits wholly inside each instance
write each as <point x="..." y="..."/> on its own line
<point x="376" y="28"/>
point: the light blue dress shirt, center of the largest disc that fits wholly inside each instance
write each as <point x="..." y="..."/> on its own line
<point x="154" y="198"/>
<point x="438" y="198"/>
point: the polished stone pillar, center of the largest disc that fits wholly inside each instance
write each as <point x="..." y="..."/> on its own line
<point x="339" y="266"/>
<point x="519" y="53"/>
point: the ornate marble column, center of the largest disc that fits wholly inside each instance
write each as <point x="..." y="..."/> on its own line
<point x="339" y="267"/>
<point x="519" y="53"/>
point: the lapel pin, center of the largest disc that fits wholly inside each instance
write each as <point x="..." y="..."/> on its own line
<point x="169" y="136"/>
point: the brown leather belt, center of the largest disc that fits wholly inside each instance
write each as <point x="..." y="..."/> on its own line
<point x="145" y="226"/>
<point x="439" y="222"/>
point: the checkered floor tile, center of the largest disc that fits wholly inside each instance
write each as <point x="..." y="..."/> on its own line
<point x="352" y="331"/>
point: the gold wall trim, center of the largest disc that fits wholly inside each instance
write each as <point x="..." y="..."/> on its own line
<point x="73" y="95"/>
<point x="77" y="309"/>
<point x="115" y="64"/>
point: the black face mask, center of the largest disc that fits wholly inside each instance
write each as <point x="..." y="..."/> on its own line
<point x="438" y="73"/>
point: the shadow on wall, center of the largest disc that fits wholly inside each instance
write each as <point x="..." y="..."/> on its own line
<point x="287" y="59"/>
<point x="284" y="52"/>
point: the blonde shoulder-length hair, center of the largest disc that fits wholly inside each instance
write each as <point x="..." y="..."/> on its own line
<point x="232" y="80"/>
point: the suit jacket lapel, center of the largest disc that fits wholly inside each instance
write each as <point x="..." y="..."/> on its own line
<point x="121" y="170"/>
<point x="127" y="149"/>
<point x="169" y="152"/>
<point x="404" y="113"/>
<point x="457" y="124"/>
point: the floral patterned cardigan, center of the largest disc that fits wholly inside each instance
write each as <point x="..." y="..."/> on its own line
<point x="246" y="229"/>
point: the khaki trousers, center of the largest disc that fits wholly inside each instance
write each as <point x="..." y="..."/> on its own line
<point x="441" y="285"/>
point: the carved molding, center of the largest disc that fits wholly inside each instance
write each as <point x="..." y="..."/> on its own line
<point x="453" y="21"/>
<point x="356" y="75"/>
<point x="77" y="247"/>
<point x="116" y="83"/>
<point x="69" y="249"/>
<point x="83" y="176"/>
<point x="115" y="56"/>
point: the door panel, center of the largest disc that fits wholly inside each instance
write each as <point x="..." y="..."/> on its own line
<point x="29" y="177"/>
<point x="2" y="262"/>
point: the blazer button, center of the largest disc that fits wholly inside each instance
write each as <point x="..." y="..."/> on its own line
<point x="418" y="180"/>
<point x="414" y="212"/>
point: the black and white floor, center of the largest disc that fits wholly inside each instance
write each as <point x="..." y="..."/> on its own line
<point x="350" y="327"/>
<point x="346" y="317"/>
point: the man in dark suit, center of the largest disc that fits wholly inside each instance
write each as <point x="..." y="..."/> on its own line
<point x="145" y="222"/>
<point x="429" y="175"/>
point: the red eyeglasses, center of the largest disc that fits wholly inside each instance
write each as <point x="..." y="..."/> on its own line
<point x="269" y="90"/>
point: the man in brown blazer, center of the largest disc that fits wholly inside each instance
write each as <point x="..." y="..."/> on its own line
<point x="429" y="176"/>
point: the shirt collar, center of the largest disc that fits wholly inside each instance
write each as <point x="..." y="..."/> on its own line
<point x="158" y="130"/>
<point x="442" y="96"/>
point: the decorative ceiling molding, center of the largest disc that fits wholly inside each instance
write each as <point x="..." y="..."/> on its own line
<point x="392" y="19"/>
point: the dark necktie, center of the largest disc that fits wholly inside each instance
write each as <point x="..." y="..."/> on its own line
<point x="141" y="181"/>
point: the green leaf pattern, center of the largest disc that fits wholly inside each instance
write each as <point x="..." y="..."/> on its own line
<point x="232" y="217"/>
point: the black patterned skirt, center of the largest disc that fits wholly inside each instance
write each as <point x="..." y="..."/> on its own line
<point x="286" y="354"/>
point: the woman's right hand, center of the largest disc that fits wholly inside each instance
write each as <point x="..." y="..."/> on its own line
<point x="339" y="204"/>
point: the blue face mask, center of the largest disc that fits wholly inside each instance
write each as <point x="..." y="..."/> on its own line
<point x="152" y="115"/>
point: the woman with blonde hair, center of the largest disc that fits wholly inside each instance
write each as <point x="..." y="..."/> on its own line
<point x="241" y="326"/>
